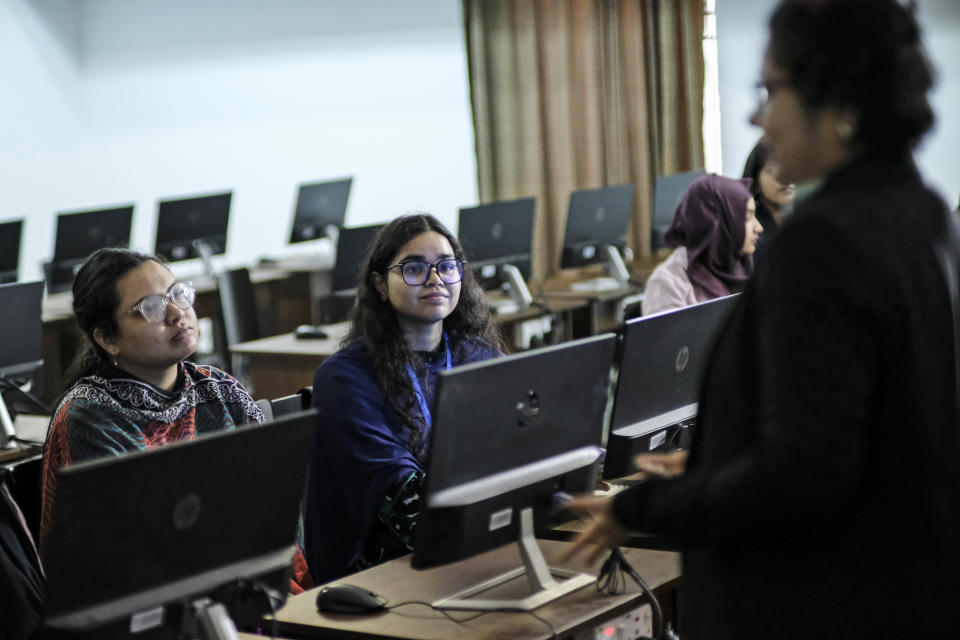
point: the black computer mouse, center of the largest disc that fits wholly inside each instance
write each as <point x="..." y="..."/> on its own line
<point x="349" y="598"/>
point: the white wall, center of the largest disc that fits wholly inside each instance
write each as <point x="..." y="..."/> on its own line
<point x="741" y="36"/>
<point x="121" y="101"/>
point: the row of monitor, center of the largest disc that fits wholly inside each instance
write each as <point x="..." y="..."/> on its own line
<point x="494" y="235"/>
<point x="510" y="436"/>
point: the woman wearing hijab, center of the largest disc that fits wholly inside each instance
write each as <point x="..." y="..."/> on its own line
<point x="772" y="197"/>
<point x="715" y="233"/>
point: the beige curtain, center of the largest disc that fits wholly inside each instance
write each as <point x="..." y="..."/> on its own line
<point x="575" y="94"/>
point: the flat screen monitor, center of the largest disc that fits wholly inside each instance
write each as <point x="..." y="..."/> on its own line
<point x="21" y="342"/>
<point x="319" y="205"/>
<point x="509" y="435"/>
<point x="662" y="360"/>
<point x="497" y="234"/>
<point x="667" y="193"/>
<point x="202" y="219"/>
<point x="596" y="219"/>
<point x="81" y="233"/>
<point x="10" y="235"/>
<point x="352" y="245"/>
<point x="136" y="540"/>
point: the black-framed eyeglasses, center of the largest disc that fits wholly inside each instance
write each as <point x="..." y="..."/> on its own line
<point x="153" y="307"/>
<point x="416" y="272"/>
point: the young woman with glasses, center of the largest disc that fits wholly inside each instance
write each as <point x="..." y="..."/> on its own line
<point x="419" y="310"/>
<point x="133" y="387"/>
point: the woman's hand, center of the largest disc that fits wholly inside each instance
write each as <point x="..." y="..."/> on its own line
<point x="662" y="465"/>
<point x="602" y="531"/>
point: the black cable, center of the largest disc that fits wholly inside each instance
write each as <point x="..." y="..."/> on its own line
<point x="611" y="581"/>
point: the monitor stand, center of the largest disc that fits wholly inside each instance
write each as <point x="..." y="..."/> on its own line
<point x="8" y="434"/>
<point x="207" y="620"/>
<point x="543" y="586"/>
<point x="519" y="292"/>
<point x="616" y="266"/>
<point x="206" y="256"/>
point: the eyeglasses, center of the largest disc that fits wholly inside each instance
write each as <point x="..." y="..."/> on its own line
<point x="416" y="272"/>
<point x="764" y="89"/>
<point x="153" y="308"/>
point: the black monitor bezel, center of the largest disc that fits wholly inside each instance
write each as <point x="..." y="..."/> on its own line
<point x="580" y="233"/>
<point x="483" y="254"/>
<point x="164" y="242"/>
<point x="300" y="219"/>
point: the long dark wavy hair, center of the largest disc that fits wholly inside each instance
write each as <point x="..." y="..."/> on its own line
<point x="375" y="324"/>
<point x="95" y="301"/>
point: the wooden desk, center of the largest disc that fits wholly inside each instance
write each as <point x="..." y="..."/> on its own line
<point x="280" y="365"/>
<point x="575" y="613"/>
<point x="605" y="307"/>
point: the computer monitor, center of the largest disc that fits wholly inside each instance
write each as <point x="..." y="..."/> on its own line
<point x="81" y="233"/>
<point x="21" y="341"/>
<point x="667" y="193"/>
<point x="138" y="541"/>
<point x="661" y="365"/>
<point x="509" y="435"/>
<point x="596" y="229"/>
<point x="352" y="245"/>
<point x="10" y="234"/>
<point x="320" y="206"/>
<point x="497" y="239"/>
<point x="193" y="227"/>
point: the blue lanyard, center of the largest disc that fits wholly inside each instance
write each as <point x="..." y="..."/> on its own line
<point x="424" y="409"/>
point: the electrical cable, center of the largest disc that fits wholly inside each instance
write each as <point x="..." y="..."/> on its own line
<point x="611" y="580"/>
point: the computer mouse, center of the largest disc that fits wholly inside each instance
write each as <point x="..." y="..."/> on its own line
<point x="349" y="598"/>
<point x="310" y="332"/>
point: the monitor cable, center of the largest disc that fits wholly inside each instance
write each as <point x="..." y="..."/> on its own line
<point x="612" y="581"/>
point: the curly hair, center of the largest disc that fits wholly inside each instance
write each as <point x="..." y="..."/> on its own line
<point x="862" y="55"/>
<point x="375" y="324"/>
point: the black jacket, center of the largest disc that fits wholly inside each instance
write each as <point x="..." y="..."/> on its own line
<point x="822" y="495"/>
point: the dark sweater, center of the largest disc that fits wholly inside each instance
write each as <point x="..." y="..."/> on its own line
<point x="360" y="450"/>
<point x="822" y="495"/>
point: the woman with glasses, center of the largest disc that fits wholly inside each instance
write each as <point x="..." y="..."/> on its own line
<point x="715" y="233"/>
<point x="821" y="497"/>
<point x="134" y="388"/>
<point x="419" y="310"/>
<point x="772" y="197"/>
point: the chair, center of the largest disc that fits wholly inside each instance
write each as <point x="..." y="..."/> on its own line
<point x="238" y="311"/>
<point x="292" y="403"/>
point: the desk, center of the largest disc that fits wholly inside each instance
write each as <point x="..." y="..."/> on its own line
<point x="280" y="365"/>
<point x="575" y="614"/>
<point x="605" y="307"/>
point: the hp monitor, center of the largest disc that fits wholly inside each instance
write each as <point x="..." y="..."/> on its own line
<point x="158" y="539"/>
<point x="661" y="365"/>
<point x="193" y="227"/>
<point x="596" y="229"/>
<point x="667" y="193"/>
<point x="21" y="341"/>
<point x="352" y="244"/>
<point x="509" y="435"/>
<point x="497" y="239"/>
<point x="10" y="234"/>
<point x="81" y="233"/>
<point x="321" y="208"/>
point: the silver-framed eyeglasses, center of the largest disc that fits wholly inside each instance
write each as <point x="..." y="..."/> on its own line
<point x="153" y="307"/>
<point x="417" y="272"/>
<point x="764" y="89"/>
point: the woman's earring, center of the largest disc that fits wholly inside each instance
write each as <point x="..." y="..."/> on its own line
<point x="845" y="130"/>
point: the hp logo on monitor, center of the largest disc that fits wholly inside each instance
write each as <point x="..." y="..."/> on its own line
<point x="683" y="357"/>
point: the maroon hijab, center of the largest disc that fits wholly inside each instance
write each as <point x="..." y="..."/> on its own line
<point x="711" y="223"/>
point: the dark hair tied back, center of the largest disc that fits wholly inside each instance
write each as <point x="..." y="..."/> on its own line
<point x="95" y="300"/>
<point x="862" y="55"/>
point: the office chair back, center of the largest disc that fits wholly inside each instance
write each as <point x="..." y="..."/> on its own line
<point x="238" y="305"/>
<point x="299" y="401"/>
